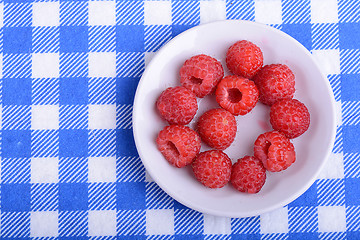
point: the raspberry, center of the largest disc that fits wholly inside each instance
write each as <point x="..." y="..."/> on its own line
<point x="212" y="168"/>
<point x="217" y="128"/>
<point x="179" y="144"/>
<point x="275" y="151"/>
<point x="244" y="58"/>
<point x="201" y="74"/>
<point x="275" y="82"/>
<point x="290" y="117"/>
<point x="177" y="105"/>
<point x="236" y="94"/>
<point x="248" y="175"/>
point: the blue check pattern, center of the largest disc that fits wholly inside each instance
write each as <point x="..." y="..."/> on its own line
<point x="68" y="173"/>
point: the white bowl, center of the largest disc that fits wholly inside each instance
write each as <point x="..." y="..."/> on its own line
<point x="312" y="148"/>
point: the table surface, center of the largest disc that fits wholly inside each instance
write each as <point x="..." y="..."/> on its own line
<point x="69" y="165"/>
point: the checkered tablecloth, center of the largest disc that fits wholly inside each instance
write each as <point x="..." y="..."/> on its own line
<point x="69" y="165"/>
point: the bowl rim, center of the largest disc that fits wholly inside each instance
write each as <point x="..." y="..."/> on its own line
<point x="180" y="198"/>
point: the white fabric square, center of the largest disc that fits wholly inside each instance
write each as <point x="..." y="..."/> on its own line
<point x="160" y="222"/>
<point x="1" y="14"/>
<point x="331" y="219"/>
<point x="324" y="11"/>
<point x="157" y="13"/>
<point x="102" y="169"/>
<point x="216" y="225"/>
<point x="45" y="65"/>
<point x="268" y="12"/>
<point x="338" y="109"/>
<point x="102" y="223"/>
<point x="328" y="60"/>
<point x="102" y="116"/>
<point x="44" y="224"/>
<point x="102" y="13"/>
<point x="334" y="167"/>
<point x="102" y="64"/>
<point x="46" y="14"/>
<point x="45" y="170"/>
<point x="45" y="117"/>
<point x="212" y="11"/>
<point x="275" y="221"/>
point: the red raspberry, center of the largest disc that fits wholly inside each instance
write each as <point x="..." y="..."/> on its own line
<point x="275" y="82"/>
<point x="244" y="58"/>
<point x="179" y="144"/>
<point x="201" y="74"/>
<point x="275" y="151"/>
<point x="177" y="105"/>
<point x="248" y="174"/>
<point x="290" y="117"/>
<point x="217" y="128"/>
<point x="236" y="94"/>
<point x="212" y="168"/>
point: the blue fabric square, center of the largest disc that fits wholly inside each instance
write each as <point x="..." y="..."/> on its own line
<point x="45" y="91"/>
<point x="156" y="36"/>
<point x="301" y="32"/>
<point x="130" y="195"/>
<point x="350" y="86"/>
<point x="17" y="39"/>
<point x="129" y="169"/>
<point x="185" y="12"/>
<point x="188" y="236"/>
<point x="296" y="11"/>
<point x="178" y="205"/>
<point x="17" y="14"/>
<point x="156" y="198"/>
<point x="125" y="144"/>
<point x="71" y="44"/>
<point x="73" y="91"/>
<point x="130" y="12"/>
<point x="44" y="197"/>
<point x="10" y="200"/>
<point x="45" y="143"/>
<point x="16" y="143"/>
<point x="347" y="31"/>
<point x="131" y="222"/>
<point x="73" y="196"/>
<point x="73" y="13"/>
<point x="16" y="117"/>
<point x="349" y="61"/>
<point x="137" y="237"/>
<point x="73" y="143"/>
<point x="12" y="86"/>
<point x="130" y="64"/>
<point x="331" y="192"/>
<point x="325" y="36"/>
<point x="102" y="143"/>
<point x="244" y="10"/>
<point x="73" y="224"/>
<point x="45" y="39"/>
<point x="102" y="38"/>
<point x="130" y="38"/>
<point x="351" y="135"/>
<point x="73" y="117"/>
<point x="15" y="225"/>
<point x="302" y="236"/>
<point x="125" y="89"/>
<point x="352" y="191"/>
<point x="183" y="226"/>
<point x="349" y="10"/>
<point x="15" y="170"/>
<point x="245" y="225"/>
<point x="308" y="198"/>
<point x="303" y="219"/>
<point x="73" y="65"/>
<point x="17" y="65"/>
<point x="72" y="169"/>
<point x="102" y="90"/>
<point x="102" y="196"/>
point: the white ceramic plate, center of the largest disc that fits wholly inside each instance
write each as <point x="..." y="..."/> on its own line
<point x="312" y="148"/>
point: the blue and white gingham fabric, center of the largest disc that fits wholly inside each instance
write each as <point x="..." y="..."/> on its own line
<point x="69" y="166"/>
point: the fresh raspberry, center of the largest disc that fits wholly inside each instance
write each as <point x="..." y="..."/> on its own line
<point x="217" y="128"/>
<point x="275" y="82"/>
<point x="236" y="94"/>
<point x="248" y="174"/>
<point x="244" y="58"/>
<point x="201" y="74"/>
<point x="177" y="105"/>
<point x="275" y="151"/>
<point x="179" y="144"/>
<point x="212" y="168"/>
<point x="290" y="116"/>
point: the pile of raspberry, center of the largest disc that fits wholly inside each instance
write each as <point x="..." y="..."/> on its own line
<point x="237" y="94"/>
